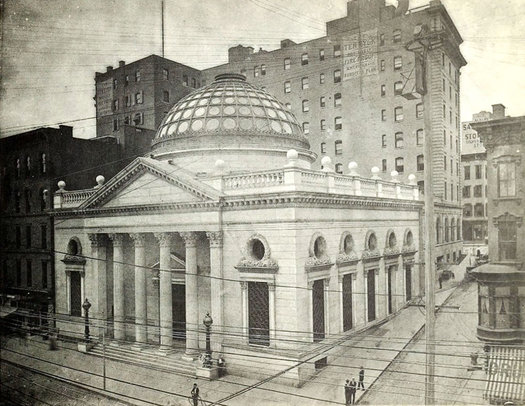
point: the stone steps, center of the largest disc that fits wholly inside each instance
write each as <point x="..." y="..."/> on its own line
<point x="147" y="357"/>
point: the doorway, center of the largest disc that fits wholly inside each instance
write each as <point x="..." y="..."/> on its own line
<point x="408" y="282"/>
<point x="178" y="293"/>
<point x="371" y="294"/>
<point x="318" y="310"/>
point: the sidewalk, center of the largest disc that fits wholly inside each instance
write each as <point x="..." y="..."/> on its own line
<point x="374" y="351"/>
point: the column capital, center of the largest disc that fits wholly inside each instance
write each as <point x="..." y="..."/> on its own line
<point x="117" y="239"/>
<point x="139" y="239"/>
<point x="271" y="286"/>
<point x="244" y="285"/>
<point x="215" y="238"/>
<point x="190" y="238"/>
<point x="164" y="239"/>
<point x="96" y="239"/>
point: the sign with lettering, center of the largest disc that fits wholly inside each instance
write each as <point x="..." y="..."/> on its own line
<point x="471" y="142"/>
<point x="104" y="97"/>
<point x="360" y="55"/>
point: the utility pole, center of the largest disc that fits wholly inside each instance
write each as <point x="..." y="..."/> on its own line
<point x="421" y="45"/>
<point x="162" y="24"/>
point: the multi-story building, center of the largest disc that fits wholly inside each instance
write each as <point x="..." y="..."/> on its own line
<point x="474" y="186"/>
<point x="501" y="282"/>
<point x="139" y="95"/>
<point x="347" y="88"/>
<point x="32" y="164"/>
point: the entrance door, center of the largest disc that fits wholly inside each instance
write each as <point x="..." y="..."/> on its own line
<point x="371" y="294"/>
<point x="75" y="294"/>
<point x="347" y="302"/>
<point x="258" y="313"/>
<point x="178" y="293"/>
<point x="408" y="281"/>
<point x="318" y="310"/>
<point x="389" y="288"/>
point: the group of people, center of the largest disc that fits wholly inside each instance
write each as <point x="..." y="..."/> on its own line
<point x="206" y="362"/>
<point x="351" y="387"/>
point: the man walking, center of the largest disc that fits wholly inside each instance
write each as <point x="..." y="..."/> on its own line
<point x="195" y="395"/>
<point x="353" y="389"/>
<point x="347" y="392"/>
<point x="361" y="379"/>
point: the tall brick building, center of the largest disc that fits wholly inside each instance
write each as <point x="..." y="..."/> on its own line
<point x="346" y="89"/>
<point x="137" y="96"/>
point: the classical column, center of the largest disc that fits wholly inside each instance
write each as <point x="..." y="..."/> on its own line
<point x="271" y="309"/>
<point x="192" y="295"/>
<point x="119" y="328"/>
<point x="244" y="298"/>
<point x="140" y="288"/>
<point x="341" y="303"/>
<point x="311" y="310"/>
<point x="97" y="283"/>
<point x="326" y="298"/>
<point x="216" y="289"/>
<point x="354" y="299"/>
<point x="165" y="296"/>
<point x="376" y="278"/>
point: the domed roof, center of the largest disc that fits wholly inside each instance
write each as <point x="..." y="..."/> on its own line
<point x="229" y="106"/>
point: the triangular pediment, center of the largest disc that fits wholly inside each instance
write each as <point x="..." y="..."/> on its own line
<point x="147" y="182"/>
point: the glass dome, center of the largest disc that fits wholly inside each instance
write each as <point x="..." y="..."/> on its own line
<point x="229" y="106"/>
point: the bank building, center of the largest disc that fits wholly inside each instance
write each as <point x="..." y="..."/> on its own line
<point x="226" y="216"/>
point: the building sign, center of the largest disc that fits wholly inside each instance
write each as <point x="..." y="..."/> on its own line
<point x="470" y="141"/>
<point x="360" y="55"/>
<point x="104" y="97"/>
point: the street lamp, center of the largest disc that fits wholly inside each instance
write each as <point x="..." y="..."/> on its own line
<point x="208" y="321"/>
<point x="86" y="306"/>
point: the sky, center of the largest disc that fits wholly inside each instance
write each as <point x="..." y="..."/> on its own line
<point x="50" y="50"/>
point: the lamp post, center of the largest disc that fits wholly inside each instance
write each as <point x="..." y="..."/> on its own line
<point x="86" y="306"/>
<point x="208" y="321"/>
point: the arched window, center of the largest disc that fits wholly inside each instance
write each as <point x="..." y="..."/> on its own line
<point x="392" y="240"/>
<point x="439" y="231"/>
<point x="371" y="243"/>
<point x="348" y="244"/>
<point x="43" y="163"/>
<point x="43" y="197"/>
<point x="420" y="137"/>
<point x="420" y="162"/>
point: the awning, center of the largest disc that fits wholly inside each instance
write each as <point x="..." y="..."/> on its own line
<point x="7" y="310"/>
<point x="505" y="375"/>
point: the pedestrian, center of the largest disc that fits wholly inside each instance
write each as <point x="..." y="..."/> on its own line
<point x="347" y="392"/>
<point x="195" y="395"/>
<point x="353" y="389"/>
<point x="221" y="363"/>
<point x="361" y="378"/>
<point x="440" y="280"/>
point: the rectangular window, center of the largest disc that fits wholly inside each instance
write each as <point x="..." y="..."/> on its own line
<point x="383" y="90"/>
<point x="138" y="118"/>
<point x="322" y="101"/>
<point x="258" y="313"/>
<point x="28" y="236"/>
<point x="383" y="115"/>
<point x="398" y="113"/>
<point x="128" y="100"/>
<point x="304" y="59"/>
<point x="137" y="76"/>
<point x="446" y="193"/>
<point x="400" y="165"/>
<point x="506" y="179"/>
<point x="194" y="83"/>
<point x="337" y="76"/>
<point x="306" y="128"/>
<point x="304" y="83"/>
<point x="382" y="65"/>
<point x="478" y="171"/>
<point x="399" y="140"/>
<point x="43" y="236"/>
<point x="338" y="121"/>
<point x="286" y="63"/>
<point x="318" y="310"/>
<point x="263" y="70"/>
<point x="419" y="110"/>
<point x="255" y="71"/>
<point x="321" y="54"/>
<point x="445" y="163"/>
<point x="398" y="62"/>
<point x="185" y="80"/>
<point x="165" y="74"/>
<point x="322" y="125"/>
<point x="44" y="274"/>
<point x="138" y="98"/>
<point x="321" y="78"/>
<point x="126" y="80"/>
<point x="383" y="140"/>
<point x="420" y="163"/>
<point x="323" y="147"/>
<point x="383" y="165"/>
<point x="337" y="51"/>
<point x="29" y="273"/>
<point x="287" y="87"/>
<point x="398" y="88"/>
<point x="381" y="39"/>
<point x="466" y="191"/>
<point x="115" y="82"/>
<point x="478" y="191"/>
<point x="507" y="237"/>
<point x="337" y="100"/>
<point x="396" y="38"/>
<point x="420" y="137"/>
<point x="115" y="104"/>
<point x="466" y="170"/>
<point x="339" y="147"/>
<point x="306" y="106"/>
<point x="166" y="96"/>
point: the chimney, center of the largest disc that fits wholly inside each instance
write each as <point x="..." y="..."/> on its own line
<point x="121" y="64"/>
<point x="109" y="68"/>
<point x="498" y="111"/>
